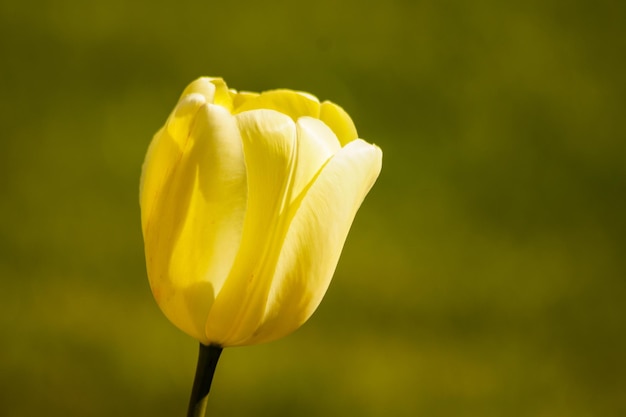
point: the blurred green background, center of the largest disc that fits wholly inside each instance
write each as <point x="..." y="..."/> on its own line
<point x="485" y="274"/>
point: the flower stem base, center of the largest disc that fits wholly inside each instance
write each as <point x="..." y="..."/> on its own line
<point x="207" y="362"/>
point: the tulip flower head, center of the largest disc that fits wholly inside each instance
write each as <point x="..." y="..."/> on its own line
<point x="246" y="202"/>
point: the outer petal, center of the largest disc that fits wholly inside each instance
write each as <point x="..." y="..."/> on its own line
<point x="165" y="151"/>
<point x="269" y="140"/>
<point x="197" y="221"/>
<point x="315" y="239"/>
<point x="339" y="121"/>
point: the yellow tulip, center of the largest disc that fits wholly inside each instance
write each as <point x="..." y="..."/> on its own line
<point x="246" y="201"/>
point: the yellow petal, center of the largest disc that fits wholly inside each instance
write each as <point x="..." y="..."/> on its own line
<point x="291" y="103"/>
<point x="214" y="89"/>
<point x="316" y="143"/>
<point x="165" y="151"/>
<point x="239" y="98"/>
<point x="268" y="139"/>
<point x="203" y="86"/>
<point x="223" y="96"/>
<point x="200" y="215"/>
<point x="316" y="237"/>
<point x="339" y="121"/>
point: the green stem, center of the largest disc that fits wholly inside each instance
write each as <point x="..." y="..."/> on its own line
<point x="207" y="361"/>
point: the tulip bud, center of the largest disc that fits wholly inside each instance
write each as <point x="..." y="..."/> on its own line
<point x="246" y="201"/>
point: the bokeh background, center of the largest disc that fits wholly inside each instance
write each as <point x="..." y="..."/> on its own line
<point x="485" y="274"/>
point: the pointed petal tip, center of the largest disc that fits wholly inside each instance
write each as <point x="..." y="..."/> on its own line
<point x="211" y="88"/>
